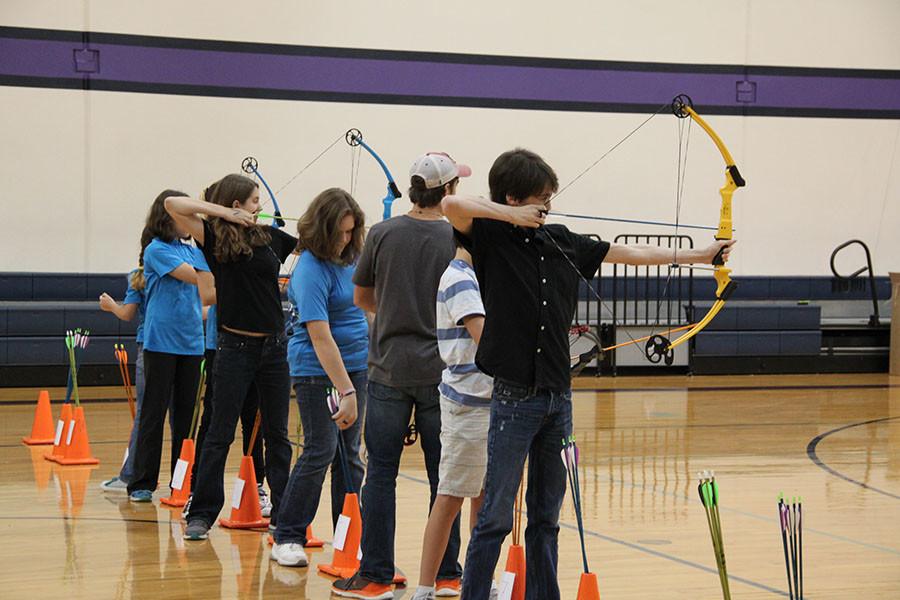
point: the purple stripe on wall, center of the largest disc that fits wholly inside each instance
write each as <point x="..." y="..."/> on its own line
<point x="579" y="84"/>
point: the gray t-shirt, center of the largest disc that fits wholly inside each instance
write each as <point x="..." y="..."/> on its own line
<point x="403" y="259"/>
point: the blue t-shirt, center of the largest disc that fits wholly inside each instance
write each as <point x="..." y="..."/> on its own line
<point x="212" y="333"/>
<point x="133" y="296"/>
<point x="173" y="322"/>
<point x="323" y="291"/>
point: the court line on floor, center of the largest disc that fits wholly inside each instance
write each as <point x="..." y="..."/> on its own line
<point x="813" y="456"/>
<point x="639" y="548"/>
<point x="741" y="388"/>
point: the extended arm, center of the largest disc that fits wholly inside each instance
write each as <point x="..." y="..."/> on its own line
<point x="124" y="312"/>
<point x="658" y="255"/>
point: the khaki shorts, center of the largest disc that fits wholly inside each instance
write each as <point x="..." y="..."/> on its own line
<point x="464" y="431"/>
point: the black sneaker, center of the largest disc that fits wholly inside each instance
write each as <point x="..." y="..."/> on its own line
<point x="196" y="530"/>
<point x="360" y="587"/>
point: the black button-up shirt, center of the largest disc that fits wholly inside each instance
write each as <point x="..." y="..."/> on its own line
<point x="530" y="294"/>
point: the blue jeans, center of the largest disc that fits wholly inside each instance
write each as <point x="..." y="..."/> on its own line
<point x="320" y="443"/>
<point x="387" y="418"/>
<point x="245" y="364"/>
<point x="127" y="470"/>
<point x="524" y="422"/>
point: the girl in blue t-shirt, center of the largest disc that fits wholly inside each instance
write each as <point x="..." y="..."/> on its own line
<point x="173" y="343"/>
<point x="134" y="305"/>
<point x="328" y="348"/>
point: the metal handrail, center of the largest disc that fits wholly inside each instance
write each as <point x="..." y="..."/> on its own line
<point x="874" y="320"/>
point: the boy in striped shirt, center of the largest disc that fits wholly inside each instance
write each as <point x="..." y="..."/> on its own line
<point x="465" y="415"/>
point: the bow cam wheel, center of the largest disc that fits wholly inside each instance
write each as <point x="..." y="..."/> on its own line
<point x="678" y="104"/>
<point x="249" y="165"/>
<point x="657" y="350"/>
<point x="353" y="136"/>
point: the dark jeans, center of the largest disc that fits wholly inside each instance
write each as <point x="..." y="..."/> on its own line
<point x="320" y="444"/>
<point x="174" y="376"/>
<point x="248" y="418"/>
<point x="532" y="423"/>
<point x="244" y="365"/>
<point x="387" y="418"/>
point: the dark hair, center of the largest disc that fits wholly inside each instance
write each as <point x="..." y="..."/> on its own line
<point x="520" y="173"/>
<point x="423" y="197"/>
<point x="234" y="241"/>
<point x="318" y="229"/>
<point x="159" y="224"/>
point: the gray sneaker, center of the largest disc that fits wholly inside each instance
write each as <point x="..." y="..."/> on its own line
<point x="196" y="530"/>
<point x="114" y="485"/>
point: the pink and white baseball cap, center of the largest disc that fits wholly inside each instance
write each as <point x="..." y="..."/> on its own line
<point x="437" y="169"/>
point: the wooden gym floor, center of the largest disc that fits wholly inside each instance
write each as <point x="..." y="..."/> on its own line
<point x="834" y="440"/>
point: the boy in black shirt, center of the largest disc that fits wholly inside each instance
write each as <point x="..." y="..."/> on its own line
<point x="530" y="292"/>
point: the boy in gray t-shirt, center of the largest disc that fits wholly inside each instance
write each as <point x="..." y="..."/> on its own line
<point x="397" y="279"/>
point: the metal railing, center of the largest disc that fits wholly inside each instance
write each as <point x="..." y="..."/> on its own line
<point x="848" y="282"/>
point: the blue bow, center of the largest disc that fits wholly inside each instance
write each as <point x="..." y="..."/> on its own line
<point x="354" y="138"/>
<point x="251" y="166"/>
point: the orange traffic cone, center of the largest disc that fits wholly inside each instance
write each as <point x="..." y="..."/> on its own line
<point x="78" y="448"/>
<point x="181" y="478"/>
<point x="515" y="564"/>
<point x="245" y="510"/>
<point x="347" y="534"/>
<point x="42" y="426"/>
<point x="59" y="447"/>
<point x="587" y="587"/>
<point x="311" y="540"/>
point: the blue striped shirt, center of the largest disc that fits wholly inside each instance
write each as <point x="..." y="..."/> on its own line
<point x="459" y="297"/>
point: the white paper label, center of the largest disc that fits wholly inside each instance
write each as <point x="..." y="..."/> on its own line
<point x="59" y="430"/>
<point x="71" y="430"/>
<point x="179" y="473"/>
<point x="359" y="552"/>
<point x="505" y="589"/>
<point x="340" y="532"/>
<point x="125" y="458"/>
<point x="238" y="492"/>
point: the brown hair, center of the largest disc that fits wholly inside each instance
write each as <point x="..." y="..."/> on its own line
<point x="422" y="196"/>
<point x="234" y="241"/>
<point x="520" y="173"/>
<point x="319" y="227"/>
<point x="159" y="224"/>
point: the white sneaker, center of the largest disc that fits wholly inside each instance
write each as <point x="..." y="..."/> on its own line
<point x="289" y="555"/>
<point x="265" y="505"/>
<point x="114" y="485"/>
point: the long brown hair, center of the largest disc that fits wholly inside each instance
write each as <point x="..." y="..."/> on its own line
<point x="234" y="241"/>
<point x="159" y="224"/>
<point x="319" y="232"/>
